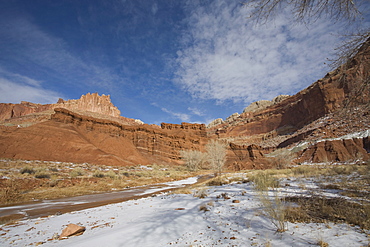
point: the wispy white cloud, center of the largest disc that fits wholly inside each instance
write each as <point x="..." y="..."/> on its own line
<point x="225" y="57"/>
<point x="13" y="92"/>
<point x="50" y="55"/>
<point x="196" y="111"/>
<point x="15" y="88"/>
<point x="182" y="116"/>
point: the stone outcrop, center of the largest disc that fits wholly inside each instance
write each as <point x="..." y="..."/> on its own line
<point x="72" y="137"/>
<point x="91" y="129"/>
<point x="215" y="122"/>
<point x="72" y="230"/>
<point x="92" y="103"/>
<point x="87" y="103"/>
<point x="263" y="104"/>
<point x="336" y="151"/>
<point x="240" y="157"/>
<point x="184" y="126"/>
<point x="8" y="111"/>
<point x="347" y="85"/>
<point x="232" y="117"/>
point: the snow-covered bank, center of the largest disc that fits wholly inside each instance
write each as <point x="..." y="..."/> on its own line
<point x="46" y="207"/>
<point x="176" y="220"/>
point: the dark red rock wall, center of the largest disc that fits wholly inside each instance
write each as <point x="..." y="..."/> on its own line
<point x="336" y="150"/>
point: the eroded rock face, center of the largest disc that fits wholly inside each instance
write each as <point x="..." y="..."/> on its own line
<point x="215" y="122"/>
<point x="336" y="151"/>
<point x="263" y="104"/>
<point x="93" y="103"/>
<point x="342" y="87"/>
<point x="72" y="137"/>
<point x="241" y="157"/>
<point x="89" y="102"/>
<point x="8" y="110"/>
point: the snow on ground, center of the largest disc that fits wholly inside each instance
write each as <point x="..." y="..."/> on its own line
<point x="176" y="220"/>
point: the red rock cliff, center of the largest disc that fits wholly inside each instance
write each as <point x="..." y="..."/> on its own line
<point x="89" y="102"/>
<point x="346" y="85"/>
<point x="165" y="143"/>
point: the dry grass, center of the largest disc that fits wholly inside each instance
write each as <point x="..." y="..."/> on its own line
<point x="350" y="180"/>
<point x="274" y="207"/>
<point x="263" y="181"/>
<point x="22" y="181"/>
<point x="320" y="209"/>
<point x="200" y="192"/>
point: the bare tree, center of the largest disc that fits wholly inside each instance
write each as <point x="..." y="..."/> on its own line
<point x="216" y="155"/>
<point x="193" y="159"/>
<point x="311" y="10"/>
<point x="350" y="47"/>
<point x="263" y="10"/>
<point x="347" y="11"/>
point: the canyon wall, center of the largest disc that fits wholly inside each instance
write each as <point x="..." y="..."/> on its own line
<point x="336" y="151"/>
<point x="73" y="137"/>
<point x="87" y="103"/>
<point x="346" y="86"/>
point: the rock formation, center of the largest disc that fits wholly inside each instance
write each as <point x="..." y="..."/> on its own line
<point x="92" y="103"/>
<point x="8" y="111"/>
<point x="215" y="122"/>
<point x="336" y="151"/>
<point x="72" y="137"/>
<point x="91" y="129"/>
<point x="263" y="104"/>
<point x="341" y="88"/>
<point x="72" y="230"/>
<point x="87" y="103"/>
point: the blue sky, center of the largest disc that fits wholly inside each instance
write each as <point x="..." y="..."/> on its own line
<point x="162" y="60"/>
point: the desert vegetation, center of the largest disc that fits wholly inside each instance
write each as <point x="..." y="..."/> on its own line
<point x="23" y="180"/>
<point x="319" y="193"/>
<point x="214" y="157"/>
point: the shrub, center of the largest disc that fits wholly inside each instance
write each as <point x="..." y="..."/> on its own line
<point x="98" y="174"/>
<point x="203" y="208"/>
<point x="216" y="152"/>
<point x="283" y="159"/>
<point x="201" y="193"/>
<point x="262" y="181"/>
<point x="193" y="159"/>
<point x="11" y="193"/>
<point x="42" y="174"/>
<point x="27" y="169"/>
<point x="111" y="174"/>
<point x="218" y="181"/>
<point x="53" y="169"/>
<point x="77" y="172"/>
<point x="274" y="208"/>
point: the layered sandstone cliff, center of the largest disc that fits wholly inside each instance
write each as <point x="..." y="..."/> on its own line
<point x="87" y="103"/>
<point x="91" y="103"/>
<point x="344" y="87"/>
<point x="91" y="129"/>
<point x="72" y="137"/>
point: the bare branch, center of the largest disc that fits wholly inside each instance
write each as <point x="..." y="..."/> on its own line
<point x="310" y="10"/>
<point x="217" y="155"/>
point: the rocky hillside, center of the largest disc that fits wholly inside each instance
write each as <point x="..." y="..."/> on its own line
<point x="27" y="113"/>
<point x="332" y="107"/>
<point x="71" y="137"/>
<point x="318" y="124"/>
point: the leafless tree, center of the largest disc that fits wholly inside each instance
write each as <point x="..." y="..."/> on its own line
<point x="350" y="47"/>
<point x="308" y="11"/>
<point x="263" y="10"/>
<point x="216" y="152"/>
<point x="193" y="159"/>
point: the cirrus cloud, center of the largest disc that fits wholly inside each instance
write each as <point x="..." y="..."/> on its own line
<point x="226" y="57"/>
